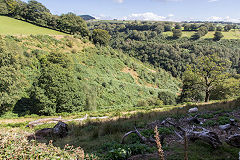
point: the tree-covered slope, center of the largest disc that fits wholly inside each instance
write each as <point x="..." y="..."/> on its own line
<point x="64" y="74"/>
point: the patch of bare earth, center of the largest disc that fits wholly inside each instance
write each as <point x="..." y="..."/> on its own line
<point x="133" y="73"/>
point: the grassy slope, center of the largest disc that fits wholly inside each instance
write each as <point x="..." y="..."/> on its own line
<point x="10" y="26"/>
<point x="233" y="34"/>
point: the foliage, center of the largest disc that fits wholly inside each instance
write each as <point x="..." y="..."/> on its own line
<point x="36" y="13"/>
<point x="100" y="36"/>
<point x="177" y="33"/>
<point x="23" y="149"/>
<point x="229" y="88"/>
<point x="56" y="90"/>
<point x="12" y="81"/>
<point x="168" y="98"/>
<point x="218" y="35"/>
<point x="210" y="70"/>
<point x="3" y="8"/>
<point x="92" y="78"/>
<point x="192" y="90"/>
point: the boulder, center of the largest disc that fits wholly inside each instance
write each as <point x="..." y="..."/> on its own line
<point x="60" y="129"/>
<point x="44" y="132"/>
<point x="193" y="110"/>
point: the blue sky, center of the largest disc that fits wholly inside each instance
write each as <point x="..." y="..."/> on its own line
<point x="177" y="10"/>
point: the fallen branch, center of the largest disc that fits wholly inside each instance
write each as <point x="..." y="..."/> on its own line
<point x="143" y="139"/>
<point x="56" y="120"/>
<point x="204" y="135"/>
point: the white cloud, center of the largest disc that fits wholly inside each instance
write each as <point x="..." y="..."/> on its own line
<point x="213" y="0"/>
<point x="119" y="1"/>
<point x="103" y="17"/>
<point x="148" y="16"/>
<point x="225" y="19"/>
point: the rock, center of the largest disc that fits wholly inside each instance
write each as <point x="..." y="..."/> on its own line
<point x="44" y="132"/>
<point x="225" y="127"/>
<point x="193" y="110"/>
<point x="232" y="122"/>
<point x="234" y="140"/>
<point x="60" y="129"/>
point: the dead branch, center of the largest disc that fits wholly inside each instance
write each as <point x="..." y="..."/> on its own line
<point x="204" y="135"/>
<point x="125" y="135"/>
<point x="56" y="120"/>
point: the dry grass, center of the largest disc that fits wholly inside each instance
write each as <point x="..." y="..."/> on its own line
<point x="159" y="145"/>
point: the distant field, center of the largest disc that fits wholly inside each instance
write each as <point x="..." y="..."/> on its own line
<point x="233" y="34"/>
<point x="16" y="27"/>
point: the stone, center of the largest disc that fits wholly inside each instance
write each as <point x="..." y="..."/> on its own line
<point x="193" y="110"/>
<point x="60" y="129"/>
<point x="44" y="132"/>
<point x="225" y="127"/>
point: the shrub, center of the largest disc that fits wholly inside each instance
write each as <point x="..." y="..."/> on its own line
<point x="167" y="97"/>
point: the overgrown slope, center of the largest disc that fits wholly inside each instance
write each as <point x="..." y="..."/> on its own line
<point x="100" y="77"/>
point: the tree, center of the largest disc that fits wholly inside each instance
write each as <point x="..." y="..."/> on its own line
<point x="12" y="81"/>
<point x="187" y="27"/>
<point x="3" y="8"/>
<point x="178" y="26"/>
<point x="227" y="28"/>
<point x="167" y="28"/>
<point x="192" y="90"/>
<point x="73" y="24"/>
<point x="211" y="27"/>
<point x="196" y="36"/>
<point x="101" y="36"/>
<point x="177" y="33"/>
<point x="217" y="36"/>
<point x="11" y="6"/>
<point x="56" y="90"/>
<point x="219" y="28"/>
<point x="211" y="71"/>
<point x="37" y="13"/>
<point x="203" y="31"/>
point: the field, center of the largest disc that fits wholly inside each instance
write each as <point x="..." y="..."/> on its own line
<point x="10" y="26"/>
<point x="233" y="34"/>
<point x="102" y="138"/>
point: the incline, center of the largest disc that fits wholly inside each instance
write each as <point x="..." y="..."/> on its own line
<point x="11" y="26"/>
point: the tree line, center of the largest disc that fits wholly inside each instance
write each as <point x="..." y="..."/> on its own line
<point x="36" y="13"/>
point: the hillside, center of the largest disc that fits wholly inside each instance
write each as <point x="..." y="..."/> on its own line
<point x="87" y="17"/>
<point x="102" y="77"/>
<point x="11" y="26"/>
<point x="233" y="34"/>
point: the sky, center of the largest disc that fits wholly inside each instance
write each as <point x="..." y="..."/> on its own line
<point x="158" y="10"/>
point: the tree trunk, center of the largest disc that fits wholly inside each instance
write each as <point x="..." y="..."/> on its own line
<point x="207" y="96"/>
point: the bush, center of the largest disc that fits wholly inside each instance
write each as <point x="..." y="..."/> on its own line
<point x="167" y="97"/>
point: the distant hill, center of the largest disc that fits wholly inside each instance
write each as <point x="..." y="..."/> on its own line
<point x="15" y="27"/>
<point x="87" y="17"/>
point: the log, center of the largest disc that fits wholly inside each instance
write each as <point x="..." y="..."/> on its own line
<point x="56" y="120"/>
<point x="43" y="121"/>
<point x="204" y="135"/>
